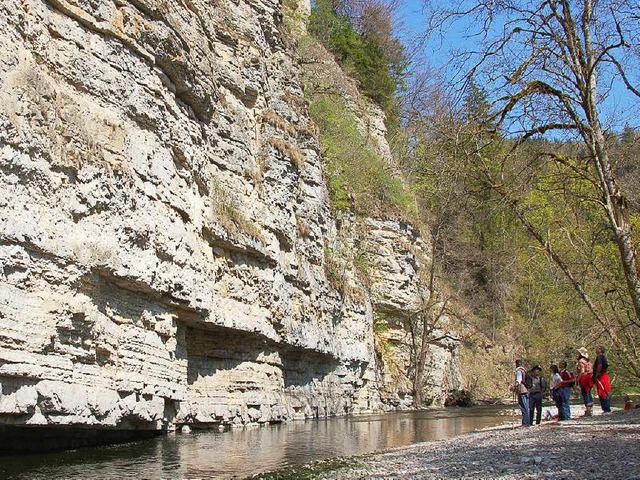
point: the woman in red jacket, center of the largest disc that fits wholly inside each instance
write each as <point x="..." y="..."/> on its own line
<point x="584" y="373"/>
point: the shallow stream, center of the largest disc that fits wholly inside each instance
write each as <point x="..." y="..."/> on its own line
<point x="240" y="453"/>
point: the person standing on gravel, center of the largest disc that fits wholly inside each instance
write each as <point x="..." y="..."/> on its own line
<point x="584" y="378"/>
<point x="522" y="391"/>
<point x="568" y="382"/>
<point x="601" y="379"/>
<point x="538" y="388"/>
<point x="556" y="381"/>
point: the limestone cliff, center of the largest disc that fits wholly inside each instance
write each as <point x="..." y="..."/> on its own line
<point x="164" y="223"/>
<point x="391" y="256"/>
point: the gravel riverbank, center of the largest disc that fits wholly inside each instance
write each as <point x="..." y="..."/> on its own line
<point x="599" y="447"/>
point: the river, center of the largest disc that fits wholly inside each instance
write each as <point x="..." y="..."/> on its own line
<point x="239" y="453"/>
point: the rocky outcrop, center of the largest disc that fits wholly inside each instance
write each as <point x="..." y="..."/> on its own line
<point x="399" y="294"/>
<point x="394" y="262"/>
<point x="164" y="223"/>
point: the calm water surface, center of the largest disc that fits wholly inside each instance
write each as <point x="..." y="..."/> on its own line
<point x="240" y="453"/>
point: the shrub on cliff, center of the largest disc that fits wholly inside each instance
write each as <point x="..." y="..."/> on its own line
<point x="359" y="179"/>
<point x="370" y="54"/>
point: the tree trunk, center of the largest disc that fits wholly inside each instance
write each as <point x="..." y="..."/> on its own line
<point x="616" y="210"/>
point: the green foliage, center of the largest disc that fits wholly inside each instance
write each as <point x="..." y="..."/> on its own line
<point x="379" y="72"/>
<point x="364" y="266"/>
<point x="308" y="472"/>
<point x="476" y="105"/>
<point x="339" y="195"/>
<point x="381" y="327"/>
<point x="381" y="323"/>
<point x="469" y="179"/>
<point x="359" y="179"/>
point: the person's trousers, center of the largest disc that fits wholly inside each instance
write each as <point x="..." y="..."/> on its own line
<point x="523" y="401"/>
<point x="565" y="393"/>
<point x="557" y="398"/>
<point x="587" y="397"/>
<point x="605" y="403"/>
<point x="535" y="404"/>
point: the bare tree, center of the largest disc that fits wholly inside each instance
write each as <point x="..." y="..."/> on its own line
<point x="427" y="326"/>
<point x="551" y="64"/>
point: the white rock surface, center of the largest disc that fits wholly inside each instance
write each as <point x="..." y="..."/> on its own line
<point x="163" y="224"/>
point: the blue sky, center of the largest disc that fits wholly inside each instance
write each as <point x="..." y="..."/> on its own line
<point x="619" y="109"/>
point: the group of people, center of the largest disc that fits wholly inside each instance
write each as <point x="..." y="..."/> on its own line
<point x="531" y="387"/>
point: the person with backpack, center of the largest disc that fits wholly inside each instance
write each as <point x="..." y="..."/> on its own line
<point x="601" y="379"/>
<point x="568" y="381"/>
<point x="556" y="381"/>
<point x="584" y="378"/>
<point x="537" y="389"/>
<point x="521" y="390"/>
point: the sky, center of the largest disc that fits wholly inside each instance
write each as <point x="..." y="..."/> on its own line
<point x="619" y="109"/>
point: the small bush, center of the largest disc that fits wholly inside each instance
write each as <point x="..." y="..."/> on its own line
<point x="365" y="267"/>
<point x="334" y="268"/>
<point x="302" y="227"/>
<point x="228" y="214"/>
<point x="276" y="121"/>
<point x="288" y="150"/>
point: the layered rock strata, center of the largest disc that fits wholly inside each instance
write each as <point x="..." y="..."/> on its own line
<point x="164" y="222"/>
<point x="396" y="258"/>
<point x="400" y="295"/>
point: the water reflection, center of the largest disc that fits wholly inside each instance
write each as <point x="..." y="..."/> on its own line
<point x="239" y="453"/>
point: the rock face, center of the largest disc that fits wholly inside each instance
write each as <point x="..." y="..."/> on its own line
<point x="397" y="263"/>
<point x="399" y="294"/>
<point x="164" y="222"/>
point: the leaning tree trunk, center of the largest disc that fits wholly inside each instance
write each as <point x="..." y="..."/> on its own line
<point x="616" y="210"/>
<point x="588" y="58"/>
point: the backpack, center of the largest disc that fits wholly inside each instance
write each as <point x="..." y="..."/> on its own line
<point x="528" y="380"/>
<point x="569" y="377"/>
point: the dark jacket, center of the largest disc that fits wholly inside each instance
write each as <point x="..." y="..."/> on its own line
<point x="600" y="366"/>
<point x="539" y="385"/>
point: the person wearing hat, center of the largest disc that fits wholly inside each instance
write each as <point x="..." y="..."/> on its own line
<point x="538" y="388"/>
<point x="584" y="371"/>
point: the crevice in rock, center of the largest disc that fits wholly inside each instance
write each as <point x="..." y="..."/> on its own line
<point x="272" y="381"/>
<point x="217" y="242"/>
<point x="226" y="345"/>
<point x="285" y="242"/>
<point x="127" y="298"/>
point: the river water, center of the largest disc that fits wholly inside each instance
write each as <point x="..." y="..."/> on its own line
<point x="240" y="453"/>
